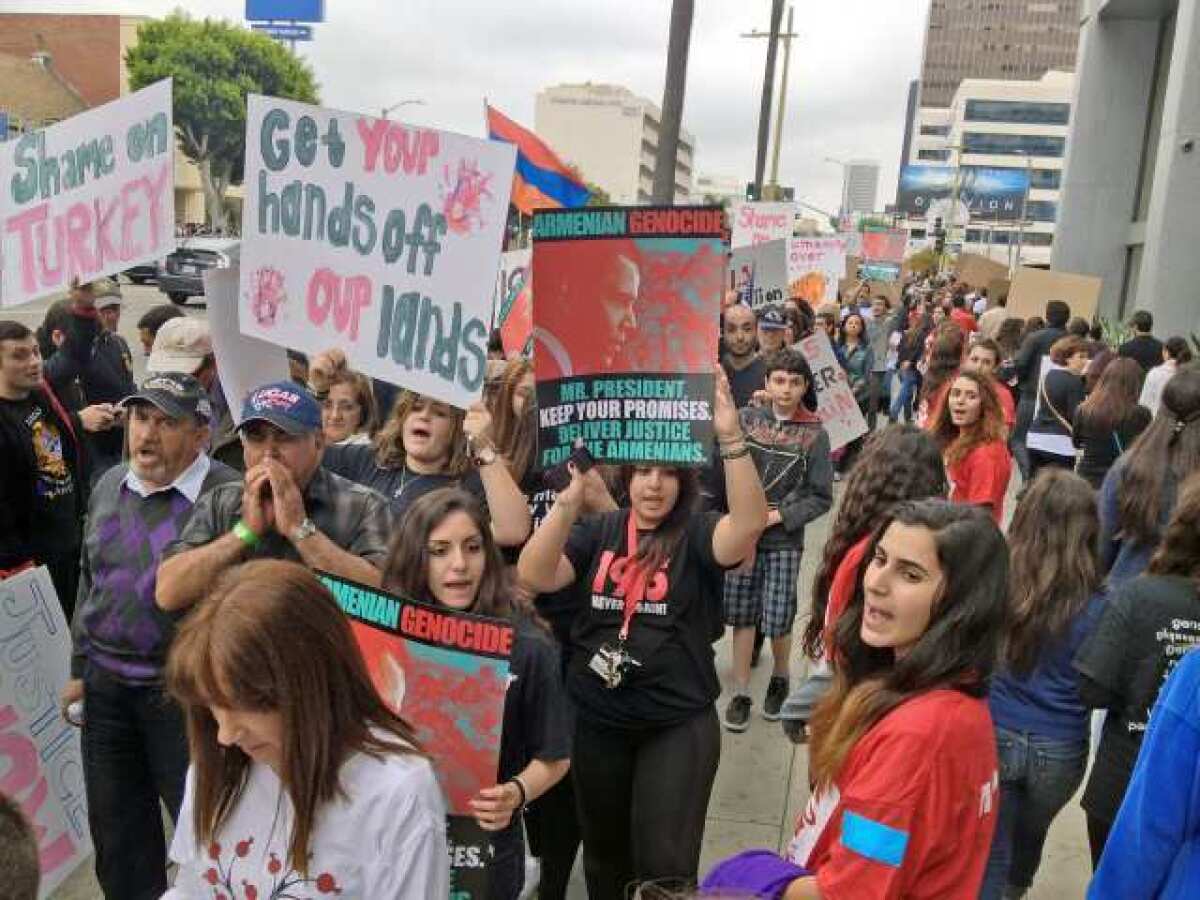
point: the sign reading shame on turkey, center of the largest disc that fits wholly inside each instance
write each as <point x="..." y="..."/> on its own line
<point x="374" y="236"/>
<point x="90" y="196"/>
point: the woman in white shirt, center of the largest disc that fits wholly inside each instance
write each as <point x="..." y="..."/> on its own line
<point x="302" y="784"/>
<point x="1176" y="353"/>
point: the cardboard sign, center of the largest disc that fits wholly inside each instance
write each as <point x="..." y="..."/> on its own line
<point x="757" y="223"/>
<point x="625" y="317"/>
<point x="514" y="300"/>
<point x="245" y="363"/>
<point x="978" y="271"/>
<point x="447" y="673"/>
<point x="88" y="197"/>
<point x="1032" y="289"/>
<point x="41" y="764"/>
<point x="836" y="406"/>
<point x="815" y="265"/>
<point x="759" y="273"/>
<point x="374" y="236"/>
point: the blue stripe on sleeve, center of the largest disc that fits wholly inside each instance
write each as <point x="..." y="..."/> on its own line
<point x="874" y="840"/>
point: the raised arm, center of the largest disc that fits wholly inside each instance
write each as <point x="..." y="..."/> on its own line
<point x="543" y="566"/>
<point x="738" y="530"/>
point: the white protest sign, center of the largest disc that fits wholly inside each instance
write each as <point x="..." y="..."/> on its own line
<point x="514" y="272"/>
<point x="374" y="236"/>
<point x="757" y="223"/>
<point x="41" y="765"/>
<point x="245" y="363"/>
<point x="815" y="265"/>
<point x="836" y="406"/>
<point x="90" y="196"/>
<point x="759" y="273"/>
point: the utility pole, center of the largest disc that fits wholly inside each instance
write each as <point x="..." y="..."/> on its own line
<point x="783" y="89"/>
<point x="1024" y="212"/>
<point x="672" y="106"/>
<point x="764" y="111"/>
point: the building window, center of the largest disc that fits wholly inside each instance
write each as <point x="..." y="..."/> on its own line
<point x="935" y="130"/>
<point x="1018" y="112"/>
<point x="1013" y="144"/>
<point x="1045" y="179"/>
<point x="1041" y="210"/>
<point x="936" y="155"/>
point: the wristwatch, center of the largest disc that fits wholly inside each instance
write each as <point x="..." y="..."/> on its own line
<point x="305" y="529"/>
<point x="486" y="455"/>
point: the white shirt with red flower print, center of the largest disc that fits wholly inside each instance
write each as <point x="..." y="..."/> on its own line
<point x="384" y="840"/>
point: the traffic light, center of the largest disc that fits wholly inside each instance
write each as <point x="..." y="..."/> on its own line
<point x="939" y="237"/>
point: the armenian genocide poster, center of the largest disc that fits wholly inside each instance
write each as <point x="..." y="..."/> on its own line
<point x="374" y="236"/>
<point x="90" y="196"/>
<point x="41" y="763"/>
<point x="625" y="317"/>
<point x="758" y="222"/>
<point x="446" y="673"/>
<point x="759" y="273"/>
<point x="839" y="412"/>
<point x="815" y="265"/>
<point x="514" y="300"/>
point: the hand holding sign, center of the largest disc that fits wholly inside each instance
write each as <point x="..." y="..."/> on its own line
<point x="726" y="422"/>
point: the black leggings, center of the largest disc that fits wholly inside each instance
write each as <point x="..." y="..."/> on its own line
<point x="553" y="825"/>
<point x="643" y="797"/>
<point x="1097" y="830"/>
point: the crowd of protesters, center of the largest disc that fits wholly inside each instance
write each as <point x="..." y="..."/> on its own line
<point x="1023" y="550"/>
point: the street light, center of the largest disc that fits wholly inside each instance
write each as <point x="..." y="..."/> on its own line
<point x="394" y="106"/>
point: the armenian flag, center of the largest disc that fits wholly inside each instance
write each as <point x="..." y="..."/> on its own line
<point x="541" y="180"/>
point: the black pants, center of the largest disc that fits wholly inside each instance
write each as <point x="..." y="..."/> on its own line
<point x="134" y="753"/>
<point x="1016" y="440"/>
<point x="64" y="574"/>
<point x="643" y="797"/>
<point x="1040" y="459"/>
<point x="1097" y="830"/>
<point x="553" y="825"/>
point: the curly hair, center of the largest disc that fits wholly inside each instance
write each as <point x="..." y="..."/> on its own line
<point x="898" y="463"/>
<point x="957" y="442"/>
<point x="389" y="439"/>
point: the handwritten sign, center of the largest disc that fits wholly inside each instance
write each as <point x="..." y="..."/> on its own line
<point x="836" y="406"/>
<point x="41" y="764"/>
<point x="514" y="300"/>
<point x="90" y="196"/>
<point x="759" y="273"/>
<point x="374" y="236"/>
<point x="815" y="265"/>
<point x="757" y="223"/>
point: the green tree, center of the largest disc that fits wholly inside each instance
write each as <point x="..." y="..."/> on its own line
<point x="215" y="65"/>
<point x="597" y="195"/>
<point x="922" y="261"/>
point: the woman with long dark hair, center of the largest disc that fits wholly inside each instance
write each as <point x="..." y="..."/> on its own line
<point x="1109" y="419"/>
<point x="970" y="430"/>
<point x="903" y="758"/>
<point x="1148" y="624"/>
<point x="908" y="358"/>
<point x="1041" y="724"/>
<point x="858" y="359"/>
<point x="1138" y="493"/>
<point x="642" y="674"/>
<point x="302" y="782"/>
<point x="945" y="359"/>
<point x="445" y="555"/>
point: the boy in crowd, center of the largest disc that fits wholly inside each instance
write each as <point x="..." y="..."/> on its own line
<point x="791" y="452"/>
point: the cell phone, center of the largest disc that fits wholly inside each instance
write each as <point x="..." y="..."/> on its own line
<point x="559" y="477"/>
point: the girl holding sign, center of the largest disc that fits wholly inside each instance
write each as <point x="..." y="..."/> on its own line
<point x="641" y="674"/>
<point x="445" y="555"/>
<point x="302" y="782"/>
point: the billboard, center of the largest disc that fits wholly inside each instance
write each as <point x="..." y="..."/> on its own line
<point x="285" y="10"/>
<point x="983" y="191"/>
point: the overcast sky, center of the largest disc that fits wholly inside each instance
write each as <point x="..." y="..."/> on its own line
<point x="848" y="83"/>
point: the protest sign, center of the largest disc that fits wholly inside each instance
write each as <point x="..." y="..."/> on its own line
<point x="757" y="223"/>
<point x="90" y="196"/>
<point x="374" y="236"/>
<point x="839" y="412"/>
<point x="880" y="271"/>
<point x="884" y="245"/>
<point x="626" y="306"/>
<point x="514" y="300"/>
<point x="853" y="242"/>
<point x="814" y="267"/>
<point x="978" y="271"/>
<point x="41" y="765"/>
<point x="759" y="273"/>
<point x="1032" y="289"/>
<point x="245" y="363"/>
<point x="446" y="672"/>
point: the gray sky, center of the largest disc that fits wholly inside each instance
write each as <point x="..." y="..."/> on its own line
<point x="848" y="84"/>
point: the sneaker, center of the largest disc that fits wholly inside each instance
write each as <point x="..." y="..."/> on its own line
<point x="796" y="730"/>
<point x="737" y="713"/>
<point x="777" y="691"/>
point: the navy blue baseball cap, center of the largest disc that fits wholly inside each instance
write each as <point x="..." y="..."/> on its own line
<point x="284" y="404"/>
<point x="770" y="318"/>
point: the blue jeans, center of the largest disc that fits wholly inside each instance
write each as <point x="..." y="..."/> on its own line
<point x="1038" y="775"/>
<point x="910" y="383"/>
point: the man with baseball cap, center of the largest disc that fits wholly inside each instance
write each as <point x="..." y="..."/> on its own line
<point x="771" y="328"/>
<point x="135" y="749"/>
<point x="288" y="507"/>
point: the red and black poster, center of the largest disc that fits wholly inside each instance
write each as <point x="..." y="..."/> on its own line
<point x="626" y="304"/>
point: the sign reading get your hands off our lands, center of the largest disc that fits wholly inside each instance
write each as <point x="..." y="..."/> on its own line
<point x="374" y="236"/>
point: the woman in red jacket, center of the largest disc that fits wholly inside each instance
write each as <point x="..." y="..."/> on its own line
<point x="970" y="430"/>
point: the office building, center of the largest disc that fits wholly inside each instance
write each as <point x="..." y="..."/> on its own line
<point x="1131" y="188"/>
<point x="611" y="135"/>
<point x="860" y="186"/>
<point x="910" y="117"/>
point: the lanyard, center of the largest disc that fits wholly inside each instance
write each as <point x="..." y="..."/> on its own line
<point x="634" y="580"/>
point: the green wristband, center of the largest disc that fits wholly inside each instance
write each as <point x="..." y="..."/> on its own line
<point x="247" y="537"/>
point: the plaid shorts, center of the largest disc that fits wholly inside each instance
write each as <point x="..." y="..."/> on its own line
<point x="767" y="595"/>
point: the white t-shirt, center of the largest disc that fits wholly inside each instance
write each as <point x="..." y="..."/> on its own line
<point x="386" y="840"/>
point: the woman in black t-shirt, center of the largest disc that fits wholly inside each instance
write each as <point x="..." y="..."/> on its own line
<point x="1109" y="420"/>
<point x="642" y="676"/>
<point x="1146" y="628"/>
<point x="447" y="556"/>
<point x="1049" y="440"/>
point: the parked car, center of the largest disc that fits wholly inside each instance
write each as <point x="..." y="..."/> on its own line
<point x="143" y="273"/>
<point x="182" y="273"/>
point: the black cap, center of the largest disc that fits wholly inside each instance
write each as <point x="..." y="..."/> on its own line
<point x="176" y="394"/>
